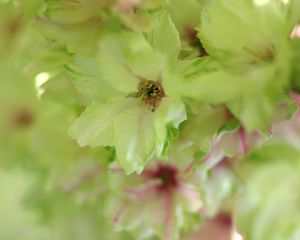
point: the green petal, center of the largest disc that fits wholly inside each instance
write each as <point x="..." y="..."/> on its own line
<point x="151" y="4"/>
<point x="255" y="111"/>
<point x="208" y="82"/>
<point x="135" y="137"/>
<point x="81" y="38"/>
<point x="252" y="29"/>
<point x="93" y="84"/>
<point x="133" y="52"/>
<point x="295" y="76"/>
<point x="170" y="113"/>
<point x="294" y="9"/>
<point x="94" y="126"/>
<point x="137" y="20"/>
<point x="133" y="130"/>
<point x="114" y="68"/>
<point x="72" y="12"/>
<point x="251" y="94"/>
<point x="164" y="36"/>
<point x="202" y="124"/>
<point x="185" y="13"/>
<point x="269" y="209"/>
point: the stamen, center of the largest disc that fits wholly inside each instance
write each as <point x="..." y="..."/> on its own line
<point x="151" y="93"/>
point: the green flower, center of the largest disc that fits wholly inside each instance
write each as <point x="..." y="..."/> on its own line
<point x="133" y="96"/>
<point x="186" y="16"/>
<point x="269" y="208"/>
<point x="75" y="24"/>
<point x="250" y="58"/>
<point x="135" y="14"/>
<point x="196" y="135"/>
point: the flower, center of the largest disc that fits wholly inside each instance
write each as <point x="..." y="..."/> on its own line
<point x="77" y="25"/>
<point x="251" y="75"/>
<point x="133" y="95"/>
<point x="170" y="197"/>
<point x="269" y="208"/>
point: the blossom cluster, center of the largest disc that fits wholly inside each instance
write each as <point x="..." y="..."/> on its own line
<point x="151" y="119"/>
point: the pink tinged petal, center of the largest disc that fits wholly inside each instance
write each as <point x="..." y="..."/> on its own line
<point x="148" y="173"/>
<point x="189" y="167"/>
<point x="233" y="144"/>
<point x="296" y="32"/>
<point x="142" y="193"/>
<point x="282" y="113"/>
<point x="214" y="156"/>
<point x="92" y="195"/>
<point x="117" y="215"/>
<point x="116" y="170"/>
<point x="296" y="99"/>
<point x="217" y="228"/>
<point x="127" y="5"/>
<point x="168" y="206"/>
<point x="254" y="140"/>
<point x="227" y="144"/>
<point x="289" y="129"/>
<point x="243" y="141"/>
<point x="236" y="236"/>
<point x="225" y="163"/>
<point x="191" y="197"/>
<point x="82" y="179"/>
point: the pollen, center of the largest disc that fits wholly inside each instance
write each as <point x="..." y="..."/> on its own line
<point x="151" y="93"/>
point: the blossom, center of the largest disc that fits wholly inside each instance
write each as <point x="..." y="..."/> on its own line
<point x="133" y="95"/>
<point x="251" y="75"/>
<point x="169" y="195"/>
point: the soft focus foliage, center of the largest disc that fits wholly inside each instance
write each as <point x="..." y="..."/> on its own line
<point x="150" y="119"/>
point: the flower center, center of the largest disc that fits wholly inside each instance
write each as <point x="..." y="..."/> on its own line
<point x="151" y="93"/>
<point x="22" y="118"/>
<point x="168" y="176"/>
